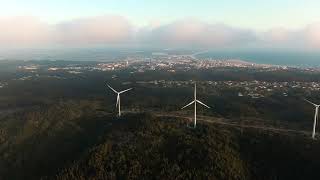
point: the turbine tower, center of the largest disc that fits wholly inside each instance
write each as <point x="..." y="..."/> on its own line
<point x="315" y="117"/>
<point x="195" y="101"/>
<point x="118" y="97"/>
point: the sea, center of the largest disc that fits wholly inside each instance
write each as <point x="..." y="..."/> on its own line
<point x="276" y="57"/>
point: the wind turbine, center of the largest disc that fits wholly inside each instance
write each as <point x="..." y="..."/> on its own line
<point x="118" y="97"/>
<point x="195" y="101"/>
<point x="315" y="118"/>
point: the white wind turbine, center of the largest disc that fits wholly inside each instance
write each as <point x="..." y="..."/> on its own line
<point x="195" y="101"/>
<point x="315" y="118"/>
<point x="118" y="97"/>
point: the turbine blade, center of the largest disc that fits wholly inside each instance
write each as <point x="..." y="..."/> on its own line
<point x="188" y="104"/>
<point x="118" y="98"/>
<point x="311" y="102"/>
<point x="203" y="104"/>
<point x="112" y="88"/>
<point x="124" y="91"/>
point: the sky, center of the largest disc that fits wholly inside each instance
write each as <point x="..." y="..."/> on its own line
<point x="173" y="23"/>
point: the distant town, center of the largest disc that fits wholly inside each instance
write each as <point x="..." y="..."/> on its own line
<point x="182" y="63"/>
<point x="170" y="63"/>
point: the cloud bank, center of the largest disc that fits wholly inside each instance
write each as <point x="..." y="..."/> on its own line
<point x="117" y="30"/>
<point x="103" y="29"/>
<point x="23" y="31"/>
<point x="195" y="33"/>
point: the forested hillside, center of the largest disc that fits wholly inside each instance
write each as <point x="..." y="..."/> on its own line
<point x="80" y="140"/>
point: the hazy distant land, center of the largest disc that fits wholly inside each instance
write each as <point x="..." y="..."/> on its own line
<point x="274" y="57"/>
